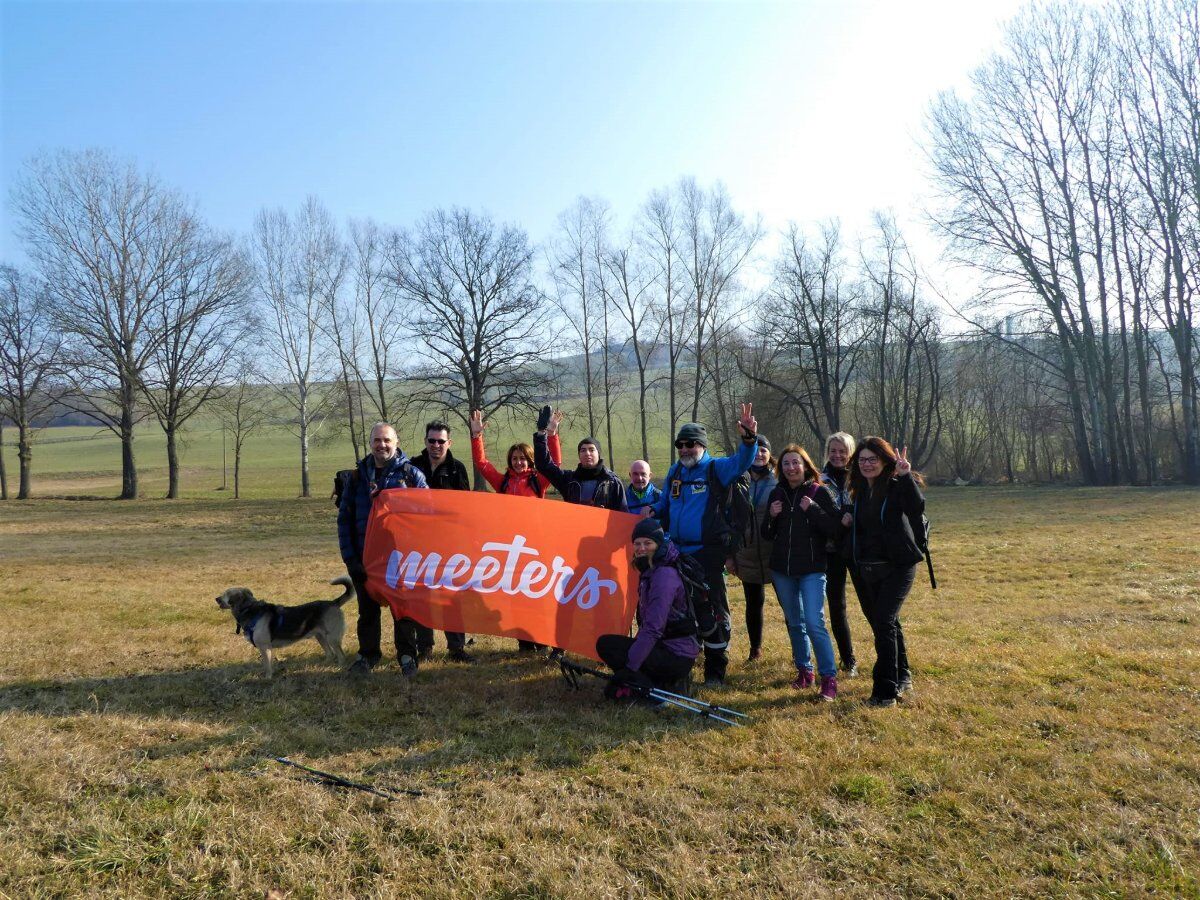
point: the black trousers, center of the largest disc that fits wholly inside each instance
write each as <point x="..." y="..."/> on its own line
<point x="370" y="629"/>
<point x="881" y="594"/>
<point x="835" y="595"/>
<point x="755" y="595"/>
<point x="716" y="652"/>
<point x="455" y="640"/>
<point x="662" y="666"/>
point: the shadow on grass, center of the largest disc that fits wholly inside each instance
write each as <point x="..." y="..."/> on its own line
<point x="504" y="714"/>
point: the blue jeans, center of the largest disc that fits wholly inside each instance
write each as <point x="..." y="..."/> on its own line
<point x="803" y="600"/>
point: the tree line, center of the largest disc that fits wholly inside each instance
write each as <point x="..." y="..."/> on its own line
<point x="1067" y="177"/>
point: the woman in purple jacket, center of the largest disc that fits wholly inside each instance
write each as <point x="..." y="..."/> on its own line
<point x="665" y="648"/>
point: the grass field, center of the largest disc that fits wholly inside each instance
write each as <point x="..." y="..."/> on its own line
<point x="1050" y="750"/>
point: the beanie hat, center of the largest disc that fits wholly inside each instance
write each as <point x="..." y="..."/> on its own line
<point x="649" y="528"/>
<point x="693" y="431"/>
<point x="762" y="441"/>
<point x="590" y="440"/>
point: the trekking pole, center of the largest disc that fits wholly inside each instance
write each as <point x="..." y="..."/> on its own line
<point x="339" y="781"/>
<point x="571" y="672"/>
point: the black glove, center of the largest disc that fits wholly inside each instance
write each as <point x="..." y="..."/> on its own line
<point x="357" y="571"/>
<point x="544" y="418"/>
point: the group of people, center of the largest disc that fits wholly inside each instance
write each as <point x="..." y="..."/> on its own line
<point x="859" y="515"/>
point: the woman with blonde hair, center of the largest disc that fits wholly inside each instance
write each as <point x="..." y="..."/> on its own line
<point x="839" y="447"/>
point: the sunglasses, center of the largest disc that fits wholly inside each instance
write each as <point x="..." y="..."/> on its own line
<point x="679" y="445"/>
<point x="438" y="441"/>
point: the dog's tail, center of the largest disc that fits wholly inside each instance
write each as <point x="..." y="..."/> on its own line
<point x="348" y="593"/>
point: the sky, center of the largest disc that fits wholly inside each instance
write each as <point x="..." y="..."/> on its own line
<point x="805" y="110"/>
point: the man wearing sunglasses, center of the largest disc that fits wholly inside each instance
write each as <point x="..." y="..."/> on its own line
<point x="443" y="472"/>
<point x="691" y="514"/>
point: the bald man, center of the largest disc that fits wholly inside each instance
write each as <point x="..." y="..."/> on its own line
<point x="641" y="492"/>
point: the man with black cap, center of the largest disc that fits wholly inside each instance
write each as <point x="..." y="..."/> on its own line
<point x="692" y="516"/>
<point x="591" y="483"/>
<point x="665" y="648"/>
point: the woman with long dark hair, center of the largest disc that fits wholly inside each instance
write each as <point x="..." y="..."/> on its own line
<point x="839" y="447"/>
<point x="887" y="509"/>
<point x="801" y="517"/>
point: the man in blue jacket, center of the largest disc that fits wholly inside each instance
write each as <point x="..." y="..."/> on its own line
<point x="642" y="493"/>
<point x="692" y="515"/>
<point x="384" y="468"/>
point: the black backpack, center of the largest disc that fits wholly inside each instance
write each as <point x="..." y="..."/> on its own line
<point x="700" y="620"/>
<point x="728" y="511"/>
<point x="345" y="480"/>
<point x="921" y="533"/>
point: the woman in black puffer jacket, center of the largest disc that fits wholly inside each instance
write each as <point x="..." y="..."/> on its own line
<point x="887" y="507"/>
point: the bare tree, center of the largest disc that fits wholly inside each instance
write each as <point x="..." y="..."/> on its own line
<point x="811" y="319"/>
<point x="714" y="243"/>
<point x="31" y="364"/>
<point x="200" y="320"/>
<point x="382" y="316"/>
<point x="104" y="238"/>
<point x="479" y="318"/>
<point x="294" y="268"/>
<point x="631" y="280"/>
<point x="242" y="410"/>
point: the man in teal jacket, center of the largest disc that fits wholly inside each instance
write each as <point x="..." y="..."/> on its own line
<point x="692" y="516"/>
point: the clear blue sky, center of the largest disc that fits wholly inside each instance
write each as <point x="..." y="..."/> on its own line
<point x="804" y="109"/>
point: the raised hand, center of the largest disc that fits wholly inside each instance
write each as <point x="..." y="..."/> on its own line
<point x="805" y="502"/>
<point x="903" y="466"/>
<point x="847" y="520"/>
<point x="747" y="422"/>
<point x="555" y="420"/>
<point x="476" y="423"/>
<point x="775" y="508"/>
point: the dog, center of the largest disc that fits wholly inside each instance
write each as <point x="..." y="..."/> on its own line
<point x="268" y="626"/>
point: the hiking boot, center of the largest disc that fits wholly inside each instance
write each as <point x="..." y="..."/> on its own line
<point x="360" y="668"/>
<point x="459" y="655"/>
<point x="408" y="666"/>
<point x="424" y="654"/>
<point x="851" y="670"/>
<point x="905" y="686"/>
<point x="828" y="690"/>
<point x="755" y="653"/>
<point x="714" y="682"/>
<point x="556" y="655"/>
<point x="804" y="679"/>
<point x="881" y="702"/>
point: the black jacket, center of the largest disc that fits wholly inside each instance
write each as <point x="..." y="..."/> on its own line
<point x="900" y="512"/>
<point x="450" y="475"/>
<point x="799" y="534"/>
<point x="610" y="490"/>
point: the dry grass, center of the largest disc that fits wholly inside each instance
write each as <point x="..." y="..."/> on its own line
<point x="1051" y="749"/>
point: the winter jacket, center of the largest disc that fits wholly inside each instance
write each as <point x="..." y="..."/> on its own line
<point x="650" y="497"/>
<point x="800" y="534"/>
<point x="683" y="509"/>
<point x="661" y="598"/>
<point x="610" y="492"/>
<point x="355" y="508"/>
<point x="899" y="509"/>
<point x="529" y="484"/>
<point x="753" y="559"/>
<point x="450" y="475"/>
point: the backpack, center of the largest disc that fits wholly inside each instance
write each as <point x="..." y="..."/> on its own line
<point x="533" y="483"/>
<point x="921" y="533"/>
<point x="727" y="513"/>
<point x="346" y="479"/>
<point x="700" y="620"/>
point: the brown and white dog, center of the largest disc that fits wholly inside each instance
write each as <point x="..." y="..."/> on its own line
<point x="269" y="626"/>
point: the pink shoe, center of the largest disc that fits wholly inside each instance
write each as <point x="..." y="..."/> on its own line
<point x="804" y="679"/>
<point x="828" y="688"/>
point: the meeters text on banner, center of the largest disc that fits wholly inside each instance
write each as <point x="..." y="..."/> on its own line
<point x="554" y="573"/>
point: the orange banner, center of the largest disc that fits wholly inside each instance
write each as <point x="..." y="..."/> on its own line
<point x="537" y="570"/>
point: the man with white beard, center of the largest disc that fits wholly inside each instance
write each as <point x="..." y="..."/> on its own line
<point x="692" y="515"/>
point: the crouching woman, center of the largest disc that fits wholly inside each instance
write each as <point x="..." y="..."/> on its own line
<point x="665" y="648"/>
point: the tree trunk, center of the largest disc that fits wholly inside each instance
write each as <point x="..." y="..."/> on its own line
<point x="3" y="470"/>
<point x="129" y="479"/>
<point x="172" y="465"/>
<point x="25" y="461"/>
<point x="237" y="470"/>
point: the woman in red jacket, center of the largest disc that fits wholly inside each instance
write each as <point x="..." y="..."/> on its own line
<point x="520" y="479"/>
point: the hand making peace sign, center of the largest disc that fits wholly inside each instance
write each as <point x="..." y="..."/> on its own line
<point x="476" y="422"/>
<point x="903" y="466"/>
<point x="747" y="422"/>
